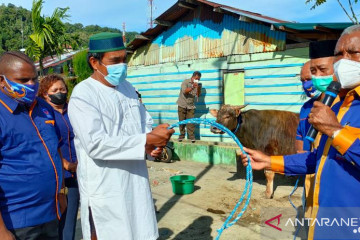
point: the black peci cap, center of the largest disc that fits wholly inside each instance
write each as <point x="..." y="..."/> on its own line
<point x="321" y="49"/>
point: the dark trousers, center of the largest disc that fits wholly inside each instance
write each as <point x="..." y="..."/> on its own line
<point x="68" y="219"/>
<point x="186" y="114"/>
<point x="45" y="231"/>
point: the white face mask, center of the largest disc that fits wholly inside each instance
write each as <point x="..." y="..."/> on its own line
<point x="348" y="73"/>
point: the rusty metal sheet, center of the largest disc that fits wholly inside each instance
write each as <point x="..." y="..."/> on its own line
<point x="198" y="39"/>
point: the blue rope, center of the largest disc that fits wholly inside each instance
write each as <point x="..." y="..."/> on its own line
<point x="238" y="124"/>
<point x="249" y="175"/>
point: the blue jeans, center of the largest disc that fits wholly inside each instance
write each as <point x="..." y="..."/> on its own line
<point x="68" y="219"/>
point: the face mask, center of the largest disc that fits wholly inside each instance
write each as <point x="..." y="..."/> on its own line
<point x="196" y="80"/>
<point x="310" y="90"/>
<point x="23" y="93"/>
<point x="58" y="98"/>
<point x="348" y="73"/>
<point x="116" y="73"/>
<point x="321" y="82"/>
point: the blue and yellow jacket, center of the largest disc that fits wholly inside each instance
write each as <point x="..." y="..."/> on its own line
<point x="30" y="166"/>
<point x="304" y="124"/>
<point x="336" y="162"/>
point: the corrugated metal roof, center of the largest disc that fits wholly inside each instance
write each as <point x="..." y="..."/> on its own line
<point x="197" y="39"/>
<point x="313" y="26"/>
<point x="51" y="61"/>
<point x="255" y="16"/>
<point x="175" y="12"/>
<point x="153" y="31"/>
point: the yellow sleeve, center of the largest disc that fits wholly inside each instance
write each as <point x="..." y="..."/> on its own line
<point x="345" y="138"/>
<point x="277" y="164"/>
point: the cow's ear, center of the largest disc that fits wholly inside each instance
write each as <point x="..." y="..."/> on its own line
<point x="238" y="109"/>
<point x="214" y="112"/>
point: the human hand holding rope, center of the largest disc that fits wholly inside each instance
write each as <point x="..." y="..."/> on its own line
<point x="258" y="159"/>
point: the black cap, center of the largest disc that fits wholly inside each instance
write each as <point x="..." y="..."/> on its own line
<point x="322" y="49"/>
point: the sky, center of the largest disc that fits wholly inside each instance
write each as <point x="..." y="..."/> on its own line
<point x="112" y="13"/>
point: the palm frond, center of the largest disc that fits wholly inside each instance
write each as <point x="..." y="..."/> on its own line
<point x="33" y="51"/>
<point x="47" y="38"/>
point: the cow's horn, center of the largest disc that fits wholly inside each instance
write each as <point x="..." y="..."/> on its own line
<point x="243" y="106"/>
<point x="239" y="106"/>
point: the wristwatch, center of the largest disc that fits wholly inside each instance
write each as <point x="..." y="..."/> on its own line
<point x="64" y="190"/>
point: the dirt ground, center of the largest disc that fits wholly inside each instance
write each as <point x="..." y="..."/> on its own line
<point x="217" y="189"/>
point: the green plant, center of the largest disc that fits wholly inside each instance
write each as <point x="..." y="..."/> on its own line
<point x="66" y="70"/>
<point x="17" y="20"/>
<point x="47" y="36"/>
<point x="70" y="83"/>
<point x="50" y="71"/>
<point x="81" y="68"/>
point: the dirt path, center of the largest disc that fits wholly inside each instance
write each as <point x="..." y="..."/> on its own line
<point x="217" y="189"/>
<point x="198" y="215"/>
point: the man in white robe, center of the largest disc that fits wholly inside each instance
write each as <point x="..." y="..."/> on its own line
<point x="112" y="133"/>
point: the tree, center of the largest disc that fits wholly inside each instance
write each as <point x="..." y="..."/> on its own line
<point x="81" y="70"/>
<point x="81" y="66"/>
<point x="12" y="21"/>
<point x="66" y="70"/>
<point x="50" y="71"/>
<point x="349" y="10"/>
<point x="47" y="36"/>
<point x="72" y="40"/>
<point x="16" y="25"/>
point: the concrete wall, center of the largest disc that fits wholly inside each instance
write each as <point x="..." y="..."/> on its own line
<point x="205" y="152"/>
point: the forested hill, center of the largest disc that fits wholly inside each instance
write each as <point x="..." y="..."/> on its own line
<point x="14" y="19"/>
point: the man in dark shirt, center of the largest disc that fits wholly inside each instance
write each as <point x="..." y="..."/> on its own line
<point x="190" y="89"/>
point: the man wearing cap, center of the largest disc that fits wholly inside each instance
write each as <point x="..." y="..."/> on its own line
<point x="112" y="133"/>
<point x="316" y="75"/>
<point x="336" y="161"/>
<point x="30" y="166"/>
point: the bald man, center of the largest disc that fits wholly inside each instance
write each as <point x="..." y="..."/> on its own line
<point x="336" y="160"/>
<point x="30" y="166"/>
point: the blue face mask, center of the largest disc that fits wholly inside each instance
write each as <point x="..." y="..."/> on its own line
<point x="116" y="73"/>
<point x="310" y="90"/>
<point x="322" y="82"/>
<point x="23" y="93"/>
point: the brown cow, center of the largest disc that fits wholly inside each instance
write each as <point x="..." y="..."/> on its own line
<point x="270" y="131"/>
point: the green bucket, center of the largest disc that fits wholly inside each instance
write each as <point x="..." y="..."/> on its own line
<point x="182" y="184"/>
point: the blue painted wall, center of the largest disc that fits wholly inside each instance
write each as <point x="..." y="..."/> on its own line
<point x="201" y="39"/>
<point x="213" y="43"/>
<point x="271" y="82"/>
